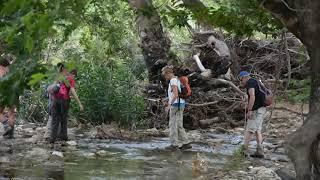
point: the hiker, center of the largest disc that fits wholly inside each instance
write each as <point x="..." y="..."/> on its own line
<point x="55" y="89"/>
<point x="8" y="123"/>
<point x="175" y="107"/>
<point x="60" y="102"/>
<point x="256" y="112"/>
<point x="50" y="90"/>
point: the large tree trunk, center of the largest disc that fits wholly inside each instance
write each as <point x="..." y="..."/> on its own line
<point x="302" y="17"/>
<point x="155" y="44"/>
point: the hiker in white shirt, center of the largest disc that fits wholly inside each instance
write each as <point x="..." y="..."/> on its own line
<point x="175" y="106"/>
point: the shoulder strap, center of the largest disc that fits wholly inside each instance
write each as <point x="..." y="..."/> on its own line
<point x="262" y="88"/>
<point x="179" y="84"/>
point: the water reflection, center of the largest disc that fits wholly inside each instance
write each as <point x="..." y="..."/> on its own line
<point x="54" y="173"/>
<point x="7" y="174"/>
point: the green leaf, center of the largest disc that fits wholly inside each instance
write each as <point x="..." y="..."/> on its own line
<point x="28" y="43"/>
<point x="36" y="78"/>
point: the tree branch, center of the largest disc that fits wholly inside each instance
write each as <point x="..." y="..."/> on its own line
<point x="215" y="82"/>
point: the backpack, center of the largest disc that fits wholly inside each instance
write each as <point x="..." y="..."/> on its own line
<point x="185" y="87"/>
<point x="55" y="89"/>
<point x="63" y="90"/>
<point x="267" y="93"/>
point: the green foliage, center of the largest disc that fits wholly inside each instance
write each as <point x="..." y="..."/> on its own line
<point x="241" y="17"/>
<point x="108" y="95"/>
<point x="105" y="52"/>
<point x="24" y="27"/>
<point x="13" y="84"/>
<point x="237" y="158"/>
<point x="299" y="91"/>
<point x="33" y="106"/>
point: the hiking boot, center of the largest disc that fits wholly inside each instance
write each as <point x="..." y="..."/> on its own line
<point x="259" y="153"/>
<point x="172" y="148"/>
<point x="9" y="133"/>
<point x="185" y="146"/>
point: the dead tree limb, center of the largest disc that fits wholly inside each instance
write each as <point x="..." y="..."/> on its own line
<point x="288" y="61"/>
<point x="204" y="104"/>
<point x="290" y="110"/>
<point x="215" y="82"/>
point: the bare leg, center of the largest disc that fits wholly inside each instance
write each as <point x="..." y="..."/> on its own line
<point x="1" y="114"/>
<point x="259" y="138"/>
<point x="247" y="139"/>
<point x="12" y="117"/>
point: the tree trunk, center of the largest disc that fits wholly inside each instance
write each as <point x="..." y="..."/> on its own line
<point x="302" y="18"/>
<point x="155" y="44"/>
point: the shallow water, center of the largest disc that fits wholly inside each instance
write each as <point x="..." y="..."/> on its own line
<point x="116" y="159"/>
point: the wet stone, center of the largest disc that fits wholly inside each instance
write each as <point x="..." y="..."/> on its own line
<point x="280" y="151"/>
<point x="72" y="143"/>
<point x="279" y="158"/>
<point x="4" y="159"/>
<point x="4" y="149"/>
<point x="101" y="153"/>
<point x="88" y="154"/>
<point x="39" y="153"/>
<point x="286" y="174"/>
<point x="57" y="153"/>
<point x="264" y="173"/>
<point x="29" y="126"/>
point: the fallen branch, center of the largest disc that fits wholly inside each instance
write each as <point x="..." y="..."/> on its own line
<point x="288" y="61"/>
<point x="215" y="82"/>
<point x="199" y="64"/>
<point x="204" y="104"/>
<point x="204" y="72"/>
<point x="302" y="54"/>
<point x="292" y="111"/>
<point x="208" y="122"/>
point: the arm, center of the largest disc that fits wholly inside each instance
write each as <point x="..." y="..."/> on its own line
<point x="51" y="88"/>
<point x="75" y="95"/>
<point x="252" y="98"/>
<point x="175" y="94"/>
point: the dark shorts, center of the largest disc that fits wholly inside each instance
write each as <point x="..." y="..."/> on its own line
<point x="59" y="109"/>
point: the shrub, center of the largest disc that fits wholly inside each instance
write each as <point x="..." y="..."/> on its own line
<point x="107" y="95"/>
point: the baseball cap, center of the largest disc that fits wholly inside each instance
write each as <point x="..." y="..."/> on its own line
<point x="244" y="73"/>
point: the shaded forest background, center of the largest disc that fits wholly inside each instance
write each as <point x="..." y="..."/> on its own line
<point x="108" y="42"/>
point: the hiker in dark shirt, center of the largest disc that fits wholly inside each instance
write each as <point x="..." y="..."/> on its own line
<point x="256" y="112"/>
<point x="59" y="105"/>
<point x="54" y="87"/>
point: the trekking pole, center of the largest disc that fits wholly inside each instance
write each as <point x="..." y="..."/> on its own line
<point x="245" y="116"/>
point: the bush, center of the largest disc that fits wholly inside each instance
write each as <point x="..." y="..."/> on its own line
<point x="298" y="92"/>
<point x="33" y="107"/>
<point x="107" y="95"/>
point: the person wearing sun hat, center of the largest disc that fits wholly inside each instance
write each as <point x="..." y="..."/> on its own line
<point x="256" y="112"/>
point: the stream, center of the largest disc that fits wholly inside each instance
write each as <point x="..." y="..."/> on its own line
<point x="84" y="157"/>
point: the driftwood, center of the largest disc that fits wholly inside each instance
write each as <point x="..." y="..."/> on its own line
<point x="215" y="90"/>
<point x="291" y="111"/>
<point x="207" y="122"/>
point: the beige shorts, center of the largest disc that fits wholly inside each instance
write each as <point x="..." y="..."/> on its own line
<point x="255" y="123"/>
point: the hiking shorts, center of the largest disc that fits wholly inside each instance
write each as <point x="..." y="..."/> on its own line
<point x="255" y="123"/>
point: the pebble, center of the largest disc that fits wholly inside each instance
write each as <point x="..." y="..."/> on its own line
<point x="88" y="155"/>
<point x="101" y="153"/>
<point x="72" y="143"/>
<point x="57" y="153"/>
